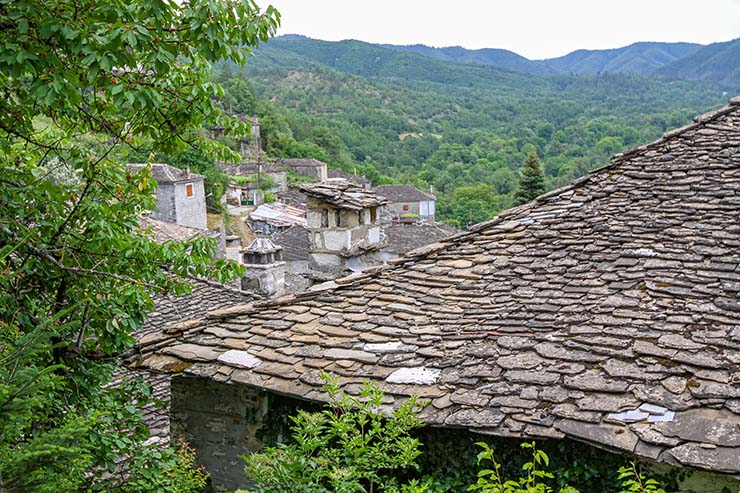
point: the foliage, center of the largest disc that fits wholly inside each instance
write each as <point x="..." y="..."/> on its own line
<point x="85" y="84"/>
<point x="490" y="480"/>
<point x="535" y="478"/>
<point x="266" y="181"/>
<point x="532" y="183"/>
<point x="350" y="446"/>
<point x="633" y="481"/>
<point x="476" y="124"/>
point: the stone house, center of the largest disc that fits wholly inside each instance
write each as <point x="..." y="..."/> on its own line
<point x="408" y="204"/>
<point x="250" y="178"/>
<point x="344" y="225"/>
<point x="181" y="197"/>
<point x="169" y="311"/>
<point x="605" y="312"/>
<point x="313" y="168"/>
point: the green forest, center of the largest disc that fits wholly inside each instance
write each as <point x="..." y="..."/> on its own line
<point x="464" y="130"/>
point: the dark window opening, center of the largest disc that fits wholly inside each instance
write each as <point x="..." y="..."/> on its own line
<point x="337" y="217"/>
<point x="325" y="218"/>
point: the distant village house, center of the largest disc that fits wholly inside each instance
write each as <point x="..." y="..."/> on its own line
<point x="408" y="204"/>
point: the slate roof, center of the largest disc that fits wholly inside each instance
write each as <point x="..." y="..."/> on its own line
<point x="343" y="194"/>
<point x="338" y="173"/>
<point x="295" y="243"/>
<point x="606" y="311"/>
<point x="403" y="193"/>
<point x="164" y="173"/>
<point x="169" y="310"/>
<point x="299" y="161"/>
<point x="403" y="238"/>
<point x="293" y="197"/>
<point x="164" y="231"/>
<point x="248" y="169"/>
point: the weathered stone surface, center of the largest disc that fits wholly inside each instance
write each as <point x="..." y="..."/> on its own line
<point x="419" y="376"/>
<point x="239" y="359"/>
<point x="193" y="352"/>
<point x="617" y="437"/>
<point x="704" y="425"/>
<point x="720" y="459"/>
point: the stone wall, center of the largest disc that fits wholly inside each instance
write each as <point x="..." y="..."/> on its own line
<point x="165" y="203"/>
<point x="221" y="421"/>
<point x="191" y="211"/>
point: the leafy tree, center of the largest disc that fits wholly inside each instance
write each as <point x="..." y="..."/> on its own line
<point x="532" y="183"/>
<point x="84" y="84"/>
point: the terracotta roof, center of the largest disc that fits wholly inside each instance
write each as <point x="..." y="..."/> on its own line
<point x="403" y="238"/>
<point x="164" y="173"/>
<point x="295" y="242"/>
<point x="606" y="311"/>
<point x="343" y="194"/>
<point x="403" y="193"/>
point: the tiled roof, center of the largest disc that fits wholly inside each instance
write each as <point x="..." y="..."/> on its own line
<point x="403" y="238"/>
<point x="343" y="194"/>
<point x="403" y="193"/>
<point x="164" y="173"/>
<point x="606" y="311"/>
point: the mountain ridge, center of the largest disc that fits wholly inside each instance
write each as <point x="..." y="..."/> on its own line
<point x="717" y="62"/>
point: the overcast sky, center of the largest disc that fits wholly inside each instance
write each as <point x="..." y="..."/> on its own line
<point x="533" y="28"/>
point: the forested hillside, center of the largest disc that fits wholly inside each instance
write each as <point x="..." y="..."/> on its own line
<point x="464" y="129"/>
<point x="718" y="62"/>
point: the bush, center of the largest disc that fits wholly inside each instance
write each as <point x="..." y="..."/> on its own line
<point x="350" y="446"/>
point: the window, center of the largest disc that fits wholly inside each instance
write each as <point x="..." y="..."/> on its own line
<point x="361" y="216"/>
<point x="325" y="218"/>
<point x="337" y="217"/>
<point x="373" y="215"/>
<point x="405" y="207"/>
<point x="189" y="191"/>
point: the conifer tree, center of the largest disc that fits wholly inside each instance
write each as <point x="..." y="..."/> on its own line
<point x="532" y="183"/>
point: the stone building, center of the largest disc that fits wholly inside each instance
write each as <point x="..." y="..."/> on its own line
<point x="181" y="197"/>
<point x="408" y="204"/>
<point x="344" y="224"/>
<point x="249" y="180"/>
<point x="604" y="312"/>
<point x="313" y="168"/>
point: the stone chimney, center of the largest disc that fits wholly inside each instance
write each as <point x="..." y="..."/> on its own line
<point x="344" y="225"/>
<point x="264" y="268"/>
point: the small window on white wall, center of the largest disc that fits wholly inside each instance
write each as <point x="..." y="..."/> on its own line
<point x="189" y="193"/>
